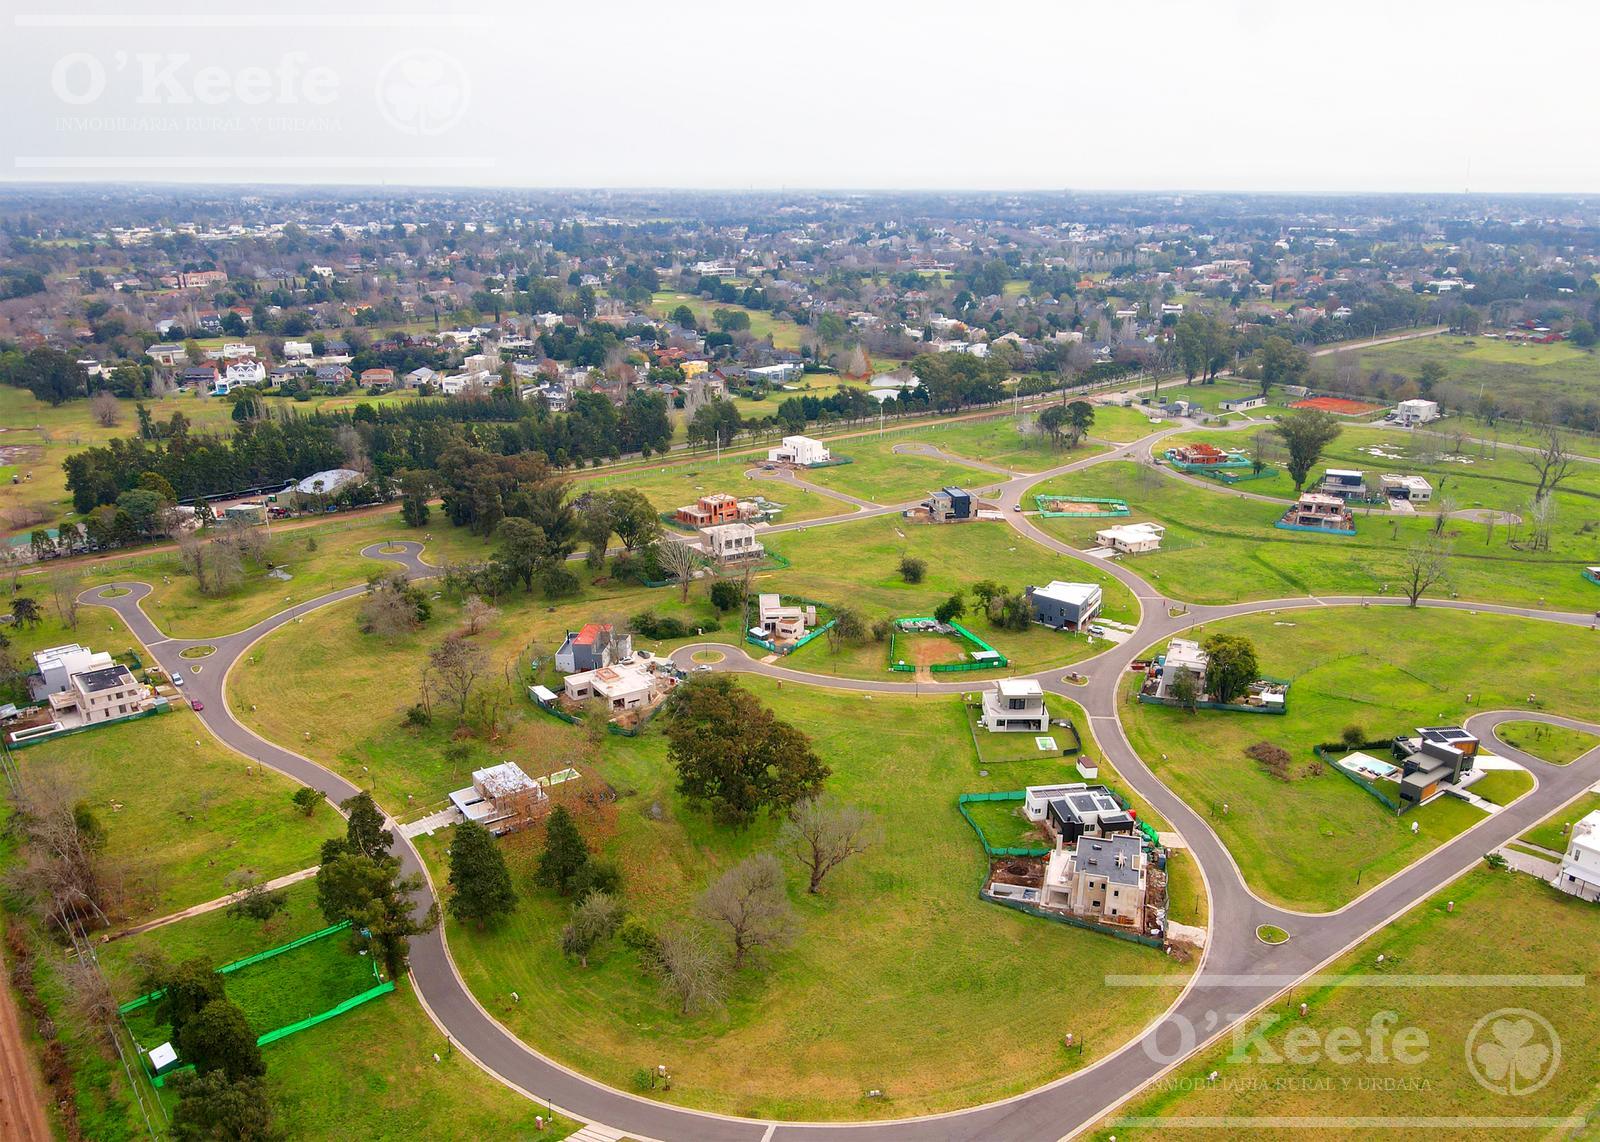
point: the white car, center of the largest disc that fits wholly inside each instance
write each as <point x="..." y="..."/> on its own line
<point x="177" y="680"/>
<point x="702" y="668"/>
<point x="1097" y="630"/>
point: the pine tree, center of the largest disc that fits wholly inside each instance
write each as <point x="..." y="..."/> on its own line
<point x="478" y="873"/>
<point x="564" y="854"/>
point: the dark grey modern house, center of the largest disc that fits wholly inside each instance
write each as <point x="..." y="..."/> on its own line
<point x="1065" y="606"/>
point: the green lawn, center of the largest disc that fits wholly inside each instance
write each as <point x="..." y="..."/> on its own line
<point x="900" y="980"/>
<point x="1221" y="548"/>
<point x="671" y="486"/>
<point x="1122" y="425"/>
<point x="181" y="815"/>
<point x="1008" y="441"/>
<point x="1556" y="744"/>
<point x="1305" y="843"/>
<point x="880" y="474"/>
<point x="1502" y="786"/>
<point x="1505" y="924"/>
<point x="386" y="1084"/>
<point x="1552" y="832"/>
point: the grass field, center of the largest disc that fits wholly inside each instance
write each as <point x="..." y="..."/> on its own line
<point x="1386" y="671"/>
<point x="900" y="979"/>
<point x="1552" y="832"/>
<point x="385" y="1084"/>
<point x="880" y="474"/>
<point x="179" y="811"/>
<point x="1556" y="744"/>
<point x="1009" y="441"/>
<point x="1122" y="425"/>
<point x="1503" y="786"/>
<point x="1221" y="548"/>
<point x="1261" y="1079"/>
<point x="671" y="486"/>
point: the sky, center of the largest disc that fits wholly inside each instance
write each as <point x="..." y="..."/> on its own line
<point x="1252" y="95"/>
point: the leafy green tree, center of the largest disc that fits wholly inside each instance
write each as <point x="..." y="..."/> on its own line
<point x="478" y="874"/>
<point x="634" y="518"/>
<point x="522" y="550"/>
<point x="213" y="1108"/>
<point x="912" y="570"/>
<point x="1054" y="420"/>
<point x="306" y="799"/>
<point x="185" y="989"/>
<point x="364" y="827"/>
<point x="25" y="612"/>
<point x="1306" y="432"/>
<point x="1230" y="666"/>
<point x="1185" y="690"/>
<point x="377" y="900"/>
<point x="1281" y="362"/>
<point x="565" y="853"/>
<point x="595" y="919"/>
<point x="726" y="594"/>
<point x="1080" y="418"/>
<point x="734" y="754"/>
<point x="219" y="1038"/>
<point x="416" y="487"/>
<point x="951" y="609"/>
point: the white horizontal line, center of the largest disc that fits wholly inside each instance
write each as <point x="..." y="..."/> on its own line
<point x="263" y="162"/>
<point x="245" y="20"/>
<point x="1377" y="1121"/>
<point x="1334" y="980"/>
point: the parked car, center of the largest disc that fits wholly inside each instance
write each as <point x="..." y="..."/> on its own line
<point x="1016" y="507"/>
<point x="196" y="705"/>
<point x="177" y="679"/>
<point x="702" y="668"/>
<point x="1097" y="629"/>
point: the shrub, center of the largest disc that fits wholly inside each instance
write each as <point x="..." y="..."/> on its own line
<point x="881" y="629"/>
<point x="1353" y="736"/>
<point x="558" y="582"/>
<point x="912" y="570"/>
<point x="654" y="626"/>
<point x="726" y="594"/>
<point x="418" y="716"/>
<point x="636" y="934"/>
<point x="597" y="876"/>
<point x="306" y="799"/>
<point x="1274" y="757"/>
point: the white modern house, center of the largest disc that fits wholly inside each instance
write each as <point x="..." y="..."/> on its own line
<point x="1065" y="606"/>
<point x="1183" y="656"/>
<point x="621" y="687"/>
<point x="1413" y="489"/>
<point x="1410" y="412"/>
<point x="1015" y="705"/>
<point x="57" y="664"/>
<point x="730" y="542"/>
<point x="1580" y="864"/>
<point x="1131" y="538"/>
<point x="783" y="622"/>
<point x="501" y="798"/>
<point x="802" y="451"/>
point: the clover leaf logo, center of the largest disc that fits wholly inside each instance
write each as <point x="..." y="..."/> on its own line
<point x="423" y="92"/>
<point x="1513" y="1051"/>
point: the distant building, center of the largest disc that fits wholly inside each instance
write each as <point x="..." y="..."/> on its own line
<point x="801" y="451"/>
<point x="951" y="504"/>
<point x="1437" y="756"/>
<point x="731" y="542"/>
<point x="1413" y="489"/>
<point x="596" y="645"/>
<point x="57" y="664"/>
<point x="1314" y="511"/>
<point x="1346" y="483"/>
<point x="1243" y="404"/>
<point x="501" y="798"/>
<point x="719" y="507"/>
<point x="783" y="622"/>
<point x="1410" y="412"/>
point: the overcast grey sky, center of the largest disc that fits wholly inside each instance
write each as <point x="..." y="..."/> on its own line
<point x="1409" y="95"/>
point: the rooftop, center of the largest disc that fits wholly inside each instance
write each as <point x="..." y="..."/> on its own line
<point x="1074" y="593"/>
<point x="1019" y="688"/>
<point x="1117" y="858"/>
<point x="108" y="678"/>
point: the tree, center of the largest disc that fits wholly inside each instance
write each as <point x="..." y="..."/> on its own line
<point x="565" y="854"/>
<point x="416" y="488"/>
<point x="750" y="903"/>
<point x="823" y="834"/>
<point x="455" y="666"/>
<point x="105" y="409"/>
<point x="1230" y="666"/>
<point x="523" y="550"/>
<point x="25" y="612"/>
<point x="392" y="607"/>
<point x="1281" y="363"/>
<point x="219" y="1038"/>
<point x="912" y="570"/>
<point x="213" y="1107"/>
<point x="595" y="919"/>
<point x="1185" y="690"/>
<point x="848" y="627"/>
<point x="364" y="826"/>
<point x="483" y="893"/>
<point x="185" y="989"/>
<point x="1428" y="375"/>
<point x="694" y="972"/>
<point x="1553" y="461"/>
<point x="734" y="754"/>
<point x="726" y="594"/>
<point x="64" y="592"/>
<point x="595" y="525"/>
<point x="634" y="518"/>
<point x="478" y="613"/>
<point x="951" y="609"/>
<point x="681" y="562"/>
<point x="1080" y="418"/>
<point x="1053" y="420"/>
<point x="371" y="894"/>
<point x="1306" y="432"/>
<point x="1425" y="563"/>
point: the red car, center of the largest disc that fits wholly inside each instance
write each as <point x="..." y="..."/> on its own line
<point x="196" y="704"/>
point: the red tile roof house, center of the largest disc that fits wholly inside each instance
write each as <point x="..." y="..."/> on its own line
<point x="377" y="379"/>
<point x="592" y="648"/>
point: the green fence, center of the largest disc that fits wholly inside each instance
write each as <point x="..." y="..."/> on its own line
<point x="1073" y="921"/>
<point x="966" y="799"/>
<point x="161" y="707"/>
<point x="380" y="987"/>
<point x="999" y="662"/>
<point x="1323" y="752"/>
<point x="1109" y="509"/>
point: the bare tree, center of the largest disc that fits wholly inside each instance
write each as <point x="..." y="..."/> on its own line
<point x="456" y="665"/>
<point x="91" y="997"/>
<point x="681" y="562"/>
<point x="479" y="614"/>
<point x="105" y="409"/>
<point x="1443" y="506"/>
<point x="693" y="971"/>
<point x="824" y="834"/>
<point x="1553" y="461"/>
<point x="192" y="557"/>
<point x="1541" y="519"/>
<point x="1423" y="565"/>
<point x="751" y="903"/>
<point x="64" y="591"/>
<point x="386" y="611"/>
<point x="64" y="874"/>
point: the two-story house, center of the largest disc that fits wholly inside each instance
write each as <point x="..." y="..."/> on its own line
<point x="1015" y="705"/>
<point x="1580" y="864"/>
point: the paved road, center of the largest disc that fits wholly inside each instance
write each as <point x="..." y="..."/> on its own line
<point x="1237" y="972"/>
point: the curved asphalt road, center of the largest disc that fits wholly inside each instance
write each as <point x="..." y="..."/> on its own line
<point x="1237" y="973"/>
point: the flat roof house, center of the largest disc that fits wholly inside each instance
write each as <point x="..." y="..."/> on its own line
<point x="1414" y="489"/>
<point x="57" y="664"/>
<point x="1409" y="412"/>
<point x="1065" y="606"/>
<point x="501" y="798"/>
<point x="950" y="504"/>
<point x="1089" y="811"/>
<point x="731" y="542"/>
<point x="622" y="686"/>
<point x="596" y="645"/>
<point x="1438" y="755"/>
<point x="783" y="622"/>
<point x="1346" y="483"/>
<point x="1183" y="654"/>
<point x="1131" y="538"/>
<point x="1243" y="404"/>
<point x="801" y="451"/>
<point x="1580" y="863"/>
<point x="1015" y="705"/>
<point x="1103" y="878"/>
<point x="106" y="694"/>
<point x="1314" y="511"/>
<point x="719" y="507"/>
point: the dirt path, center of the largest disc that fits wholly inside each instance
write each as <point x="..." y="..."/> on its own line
<point x="22" y="1115"/>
